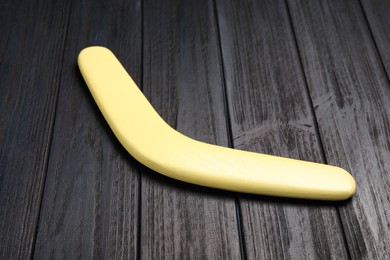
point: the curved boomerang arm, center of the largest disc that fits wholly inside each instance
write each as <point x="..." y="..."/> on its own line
<point x="150" y="140"/>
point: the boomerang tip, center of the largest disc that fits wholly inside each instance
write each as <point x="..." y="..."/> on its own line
<point x="349" y="185"/>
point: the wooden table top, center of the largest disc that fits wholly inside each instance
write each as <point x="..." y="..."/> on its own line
<point x="299" y="79"/>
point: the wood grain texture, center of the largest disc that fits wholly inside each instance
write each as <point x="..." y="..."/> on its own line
<point x="271" y="113"/>
<point x="351" y="97"/>
<point x="377" y="13"/>
<point x="304" y="79"/>
<point x="31" y="48"/>
<point x="183" y="81"/>
<point x="90" y="205"/>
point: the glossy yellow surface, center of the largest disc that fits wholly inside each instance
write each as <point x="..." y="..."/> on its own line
<point x="155" y="144"/>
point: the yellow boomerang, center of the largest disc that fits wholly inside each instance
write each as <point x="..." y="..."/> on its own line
<point x="150" y="140"/>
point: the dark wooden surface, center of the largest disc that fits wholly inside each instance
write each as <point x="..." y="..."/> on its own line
<point x="90" y="204"/>
<point x="300" y="79"/>
<point x="271" y="113"/>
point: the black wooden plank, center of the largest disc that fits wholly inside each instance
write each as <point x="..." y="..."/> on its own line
<point x="90" y="204"/>
<point x="351" y="97"/>
<point x="378" y="16"/>
<point x="183" y="81"/>
<point x="271" y="113"/>
<point x="31" y="47"/>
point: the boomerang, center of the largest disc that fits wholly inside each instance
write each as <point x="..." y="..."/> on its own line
<point x="151" y="141"/>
